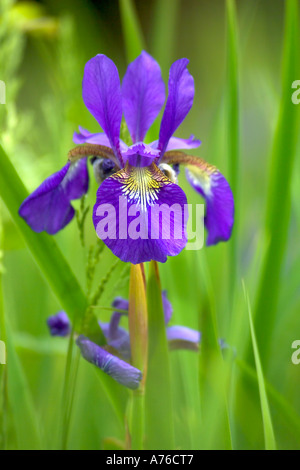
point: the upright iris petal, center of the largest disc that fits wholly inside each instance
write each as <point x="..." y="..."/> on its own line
<point x="179" y="102"/>
<point x="143" y="92"/>
<point x="48" y="208"/>
<point x="101" y="92"/>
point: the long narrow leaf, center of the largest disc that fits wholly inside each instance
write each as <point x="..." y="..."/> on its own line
<point x="158" y="399"/>
<point x="232" y="131"/>
<point x="270" y="443"/>
<point x="132" y="32"/>
<point x="279" y="199"/>
<point x="21" y="402"/>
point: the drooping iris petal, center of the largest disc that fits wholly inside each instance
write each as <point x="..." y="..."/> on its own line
<point x="59" y="324"/>
<point x="143" y="93"/>
<point x="101" y="92"/>
<point x="119" y="370"/>
<point x="183" y="334"/>
<point x="212" y="185"/>
<point x="179" y="102"/>
<point x="167" y="307"/>
<point x="139" y="214"/>
<point x="48" y="208"/>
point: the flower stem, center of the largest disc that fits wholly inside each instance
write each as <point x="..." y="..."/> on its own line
<point x="138" y="320"/>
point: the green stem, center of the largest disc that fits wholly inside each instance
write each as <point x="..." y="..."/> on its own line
<point x="137" y="421"/>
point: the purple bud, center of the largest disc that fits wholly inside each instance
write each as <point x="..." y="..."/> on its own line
<point x="120" y="303"/>
<point x="59" y="324"/>
<point x="119" y="370"/>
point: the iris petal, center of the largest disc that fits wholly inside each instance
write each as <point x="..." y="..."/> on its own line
<point x="212" y="185"/>
<point x="182" y="337"/>
<point x="101" y="92"/>
<point x="139" y="214"/>
<point x="179" y="102"/>
<point x="48" y="208"/>
<point x="119" y="370"/>
<point x="167" y="307"/>
<point x="100" y="138"/>
<point x="207" y="180"/>
<point x="143" y="92"/>
<point x="176" y="143"/>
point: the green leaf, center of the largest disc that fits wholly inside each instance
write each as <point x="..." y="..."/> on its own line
<point x="42" y="246"/>
<point x="213" y="372"/>
<point x="270" y="442"/>
<point x="232" y="132"/>
<point x="280" y="403"/>
<point x="279" y="194"/>
<point x="134" y="43"/>
<point x="21" y="402"/>
<point x="158" y="398"/>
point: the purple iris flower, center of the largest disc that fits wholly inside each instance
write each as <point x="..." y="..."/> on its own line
<point x="118" y="366"/>
<point x="138" y="181"/>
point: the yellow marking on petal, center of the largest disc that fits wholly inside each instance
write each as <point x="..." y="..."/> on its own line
<point x="141" y="185"/>
<point x="201" y="177"/>
<point x="200" y="171"/>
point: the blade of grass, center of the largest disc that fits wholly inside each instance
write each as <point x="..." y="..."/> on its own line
<point x="270" y="443"/>
<point x="158" y="397"/>
<point x="3" y="369"/>
<point x="213" y="373"/>
<point x="287" y="412"/>
<point x="164" y="27"/>
<point x="21" y="402"/>
<point x="232" y="132"/>
<point x="279" y="199"/>
<point x="134" y="42"/>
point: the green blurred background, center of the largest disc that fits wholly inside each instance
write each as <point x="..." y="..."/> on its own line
<point x="44" y="47"/>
